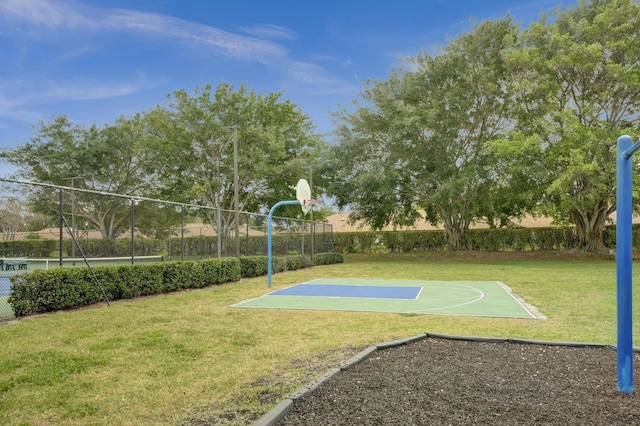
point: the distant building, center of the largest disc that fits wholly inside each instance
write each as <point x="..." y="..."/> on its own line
<point x="340" y="223"/>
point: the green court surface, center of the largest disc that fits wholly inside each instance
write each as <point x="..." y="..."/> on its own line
<point x="463" y="298"/>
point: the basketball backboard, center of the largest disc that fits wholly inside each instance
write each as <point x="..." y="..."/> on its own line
<point x="303" y="195"/>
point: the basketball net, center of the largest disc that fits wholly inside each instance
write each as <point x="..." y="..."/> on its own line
<point x="307" y="205"/>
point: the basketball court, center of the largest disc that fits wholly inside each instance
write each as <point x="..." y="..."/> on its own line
<point x="462" y="298"/>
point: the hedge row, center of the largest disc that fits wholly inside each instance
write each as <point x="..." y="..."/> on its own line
<point x="501" y="239"/>
<point x="254" y="266"/>
<point x="193" y="246"/>
<point x="66" y="288"/>
<point x="328" y="258"/>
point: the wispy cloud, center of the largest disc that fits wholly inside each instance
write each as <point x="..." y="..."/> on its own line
<point x="332" y="59"/>
<point x="40" y="18"/>
<point x="310" y="73"/>
<point x="18" y="98"/>
<point x="59" y="21"/>
<point x="274" y="32"/>
<point x="28" y="14"/>
<point x="193" y="35"/>
<point x="317" y="80"/>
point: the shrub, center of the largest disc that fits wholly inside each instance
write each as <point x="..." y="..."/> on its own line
<point x="217" y="271"/>
<point x="55" y="289"/>
<point x="328" y="258"/>
<point x="51" y="290"/>
<point x="129" y="281"/>
<point x="297" y="261"/>
<point x="65" y="288"/>
<point x="181" y="275"/>
<point x="278" y="264"/>
<point x="254" y="266"/>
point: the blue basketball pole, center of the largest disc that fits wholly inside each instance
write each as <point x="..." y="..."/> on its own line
<point x="269" y="257"/>
<point x="624" y="214"/>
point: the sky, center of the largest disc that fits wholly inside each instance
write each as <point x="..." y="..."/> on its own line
<point x="95" y="60"/>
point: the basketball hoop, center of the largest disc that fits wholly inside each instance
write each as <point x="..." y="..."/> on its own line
<point x="303" y="195"/>
<point x="308" y="205"/>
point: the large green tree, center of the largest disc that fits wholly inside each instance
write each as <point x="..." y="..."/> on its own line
<point x="195" y="137"/>
<point x="575" y="86"/>
<point x="112" y="158"/>
<point x="417" y="144"/>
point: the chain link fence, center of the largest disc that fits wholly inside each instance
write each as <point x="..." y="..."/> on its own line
<point x="49" y="226"/>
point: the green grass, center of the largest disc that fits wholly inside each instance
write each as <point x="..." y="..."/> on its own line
<point x="181" y="358"/>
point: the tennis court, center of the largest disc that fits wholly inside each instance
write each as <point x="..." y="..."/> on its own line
<point x="463" y="298"/>
<point x="5" y="285"/>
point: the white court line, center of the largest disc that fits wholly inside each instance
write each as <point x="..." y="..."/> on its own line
<point x="476" y="299"/>
<point x="419" y="293"/>
<point x="519" y="301"/>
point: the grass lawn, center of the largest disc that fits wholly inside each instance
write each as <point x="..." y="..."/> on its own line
<point x="185" y="357"/>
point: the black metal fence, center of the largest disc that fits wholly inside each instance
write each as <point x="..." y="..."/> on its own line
<point x="43" y="224"/>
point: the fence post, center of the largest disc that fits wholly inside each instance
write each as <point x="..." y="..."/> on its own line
<point x="182" y="236"/>
<point x="133" y="227"/>
<point x="61" y="248"/>
<point x="324" y="243"/>
<point x="218" y="233"/>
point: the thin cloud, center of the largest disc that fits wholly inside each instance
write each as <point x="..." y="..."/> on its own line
<point x="310" y="73"/>
<point x="23" y="15"/>
<point x="18" y="98"/>
<point x="188" y="33"/>
<point x="58" y="21"/>
<point x="269" y="31"/>
<point x="317" y="78"/>
<point x="38" y="18"/>
<point x="332" y="59"/>
<point x="71" y="54"/>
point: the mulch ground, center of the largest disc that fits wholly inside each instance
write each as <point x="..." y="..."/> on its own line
<point x="455" y="382"/>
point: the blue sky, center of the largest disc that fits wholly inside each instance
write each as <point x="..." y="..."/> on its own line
<point x="95" y="60"/>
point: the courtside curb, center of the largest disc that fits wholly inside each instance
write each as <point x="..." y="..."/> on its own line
<point x="360" y="357"/>
<point x="468" y="338"/>
<point x="277" y="413"/>
<point x="313" y="385"/>
<point x="281" y="410"/>
<point x="551" y="343"/>
<point x="401" y="342"/>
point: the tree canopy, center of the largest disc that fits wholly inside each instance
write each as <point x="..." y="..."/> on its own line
<point x="498" y="122"/>
<point x="112" y="158"/>
<point x="575" y="85"/>
<point x="197" y="132"/>
<point x="417" y="149"/>
<point x="183" y="152"/>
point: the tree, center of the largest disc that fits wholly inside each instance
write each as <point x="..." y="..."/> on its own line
<point x="195" y="137"/>
<point x="112" y="159"/>
<point x="419" y="147"/>
<point x="11" y="218"/>
<point x="575" y="90"/>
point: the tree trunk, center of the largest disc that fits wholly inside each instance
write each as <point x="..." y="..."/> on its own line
<point x="589" y="228"/>
<point x="456" y="229"/>
<point x="454" y="239"/>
